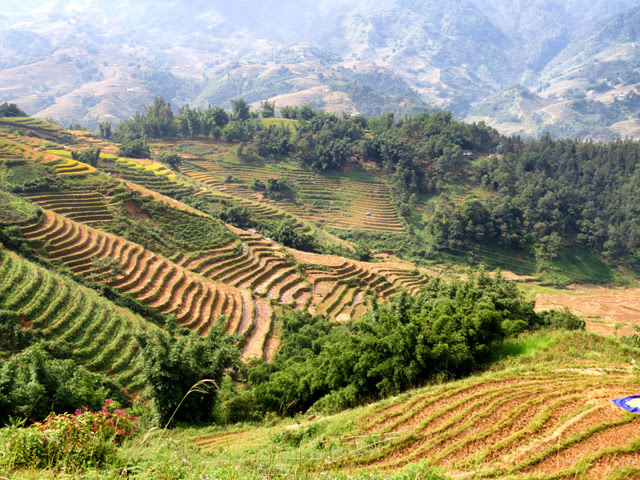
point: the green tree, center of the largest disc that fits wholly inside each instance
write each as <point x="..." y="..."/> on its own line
<point x="268" y="109"/>
<point x="90" y="156"/>
<point x="239" y="109"/>
<point x="220" y="116"/>
<point x="11" y="110"/>
<point x="105" y="130"/>
<point x="172" y="159"/>
<point x="175" y="360"/>
<point x="33" y="384"/>
<point x="134" y="149"/>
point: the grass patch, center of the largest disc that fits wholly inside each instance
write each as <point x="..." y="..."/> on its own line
<point x="560" y="347"/>
<point x="532" y="290"/>
<point x="578" y="266"/>
<point x="525" y="345"/>
<point x="290" y="123"/>
<point x="15" y="210"/>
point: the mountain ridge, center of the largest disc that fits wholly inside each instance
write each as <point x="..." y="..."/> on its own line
<point x="104" y="61"/>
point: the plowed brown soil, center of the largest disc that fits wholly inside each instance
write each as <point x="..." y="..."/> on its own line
<point x="606" y="311"/>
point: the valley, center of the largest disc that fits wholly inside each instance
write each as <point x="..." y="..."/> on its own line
<point x="104" y="253"/>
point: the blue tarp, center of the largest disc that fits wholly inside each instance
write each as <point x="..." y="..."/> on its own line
<point x="630" y="404"/>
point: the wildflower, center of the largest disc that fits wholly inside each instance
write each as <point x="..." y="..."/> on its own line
<point x="108" y="401"/>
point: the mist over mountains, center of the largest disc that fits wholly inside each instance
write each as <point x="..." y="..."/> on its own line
<point x="525" y="67"/>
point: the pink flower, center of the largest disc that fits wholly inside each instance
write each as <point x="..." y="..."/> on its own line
<point x="107" y="401"/>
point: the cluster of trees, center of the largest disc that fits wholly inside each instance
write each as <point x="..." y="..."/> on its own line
<point x="481" y="222"/>
<point x="558" y="193"/>
<point x="276" y="188"/>
<point x="11" y="110"/>
<point x="159" y="121"/>
<point x="136" y="148"/>
<point x="271" y="143"/>
<point x="35" y="382"/>
<point x="288" y="234"/>
<point x="90" y="156"/>
<point x="448" y="331"/>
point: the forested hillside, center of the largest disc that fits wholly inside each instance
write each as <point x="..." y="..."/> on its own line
<point x="455" y="187"/>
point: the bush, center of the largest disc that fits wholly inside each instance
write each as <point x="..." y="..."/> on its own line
<point x="563" y="320"/>
<point x="33" y="384"/>
<point x="68" y="441"/>
<point x="175" y="361"/>
<point x="12" y="336"/>
<point x="134" y="149"/>
<point x="446" y="331"/>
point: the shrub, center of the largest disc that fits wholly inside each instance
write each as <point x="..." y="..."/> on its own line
<point x="134" y="149"/>
<point x="563" y="320"/>
<point x="33" y="384"/>
<point x="12" y="336"/>
<point x="175" y="361"/>
<point x="445" y="331"/>
<point x="68" y="441"/>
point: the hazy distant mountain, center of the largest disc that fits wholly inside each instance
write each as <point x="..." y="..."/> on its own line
<point x="519" y="65"/>
<point x="591" y="88"/>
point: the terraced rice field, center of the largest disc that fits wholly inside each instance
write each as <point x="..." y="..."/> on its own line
<point x="31" y="122"/>
<point x="238" y="281"/>
<point x="81" y="207"/>
<point x="335" y="201"/>
<point x="536" y="425"/>
<point x="153" y="280"/>
<point x="254" y="264"/>
<point x="36" y="127"/>
<point x="153" y="176"/>
<point x="10" y="150"/>
<point x="545" y="425"/>
<point x="344" y="289"/>
<point x="340" y="288"/>
<point x="100" y="333"/>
